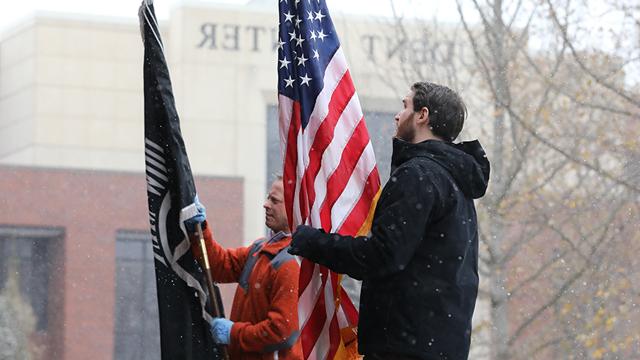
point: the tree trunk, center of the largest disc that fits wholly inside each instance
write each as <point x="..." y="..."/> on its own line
<point x="499" y="310"/>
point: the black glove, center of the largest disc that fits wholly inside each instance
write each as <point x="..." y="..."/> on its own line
<point x="303" y="239"/>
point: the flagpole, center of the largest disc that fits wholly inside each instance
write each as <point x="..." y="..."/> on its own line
<point x="213" y="294"/>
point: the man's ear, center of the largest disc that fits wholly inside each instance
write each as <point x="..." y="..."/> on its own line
<point x="423" y="116"/>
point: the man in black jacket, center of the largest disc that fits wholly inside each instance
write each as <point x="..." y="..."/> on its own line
<point x="419" y="265"/>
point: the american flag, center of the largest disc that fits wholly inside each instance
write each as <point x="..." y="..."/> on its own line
<point x="330" y="174"/>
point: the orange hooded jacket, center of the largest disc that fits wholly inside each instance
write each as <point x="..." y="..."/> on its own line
<point x="265" y="306"/>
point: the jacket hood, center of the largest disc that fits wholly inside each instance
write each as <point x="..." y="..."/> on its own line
<point x="466" y="161"/>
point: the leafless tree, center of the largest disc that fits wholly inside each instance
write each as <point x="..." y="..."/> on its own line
<point x="562" y="116"/>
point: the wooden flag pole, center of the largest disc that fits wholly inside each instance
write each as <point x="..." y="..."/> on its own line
<point x="213" y="298"/>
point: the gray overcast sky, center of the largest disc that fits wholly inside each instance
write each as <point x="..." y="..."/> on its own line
<point x="13" y="12"/>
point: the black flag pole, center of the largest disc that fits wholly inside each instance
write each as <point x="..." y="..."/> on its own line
<point x="183" y="287"/>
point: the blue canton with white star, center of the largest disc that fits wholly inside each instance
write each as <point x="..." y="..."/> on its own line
<point x="307" y="42"/>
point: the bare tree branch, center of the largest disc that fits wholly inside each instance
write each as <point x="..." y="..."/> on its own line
<point x="598" y="79"/>
<point x="573" y="158"/>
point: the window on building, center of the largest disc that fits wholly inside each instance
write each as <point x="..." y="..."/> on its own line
<point x="274" y="152"/>
<point x="25" y="269"/>
<point x="381" y="129"/>
<point x="137" y="334"/>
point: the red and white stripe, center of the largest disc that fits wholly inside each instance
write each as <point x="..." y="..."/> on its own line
<point x="330" y="181"/>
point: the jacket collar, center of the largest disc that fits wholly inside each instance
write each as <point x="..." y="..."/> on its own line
<point x="404" y="150"/>
<point x="466" y="161"/>
<point x="276" y="243"/>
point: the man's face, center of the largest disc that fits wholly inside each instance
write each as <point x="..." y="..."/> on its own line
<point x="406" y="120"/>
<point x="275" y="214"/>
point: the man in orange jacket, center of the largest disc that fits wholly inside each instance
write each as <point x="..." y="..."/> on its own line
<point x="264" y="317"/>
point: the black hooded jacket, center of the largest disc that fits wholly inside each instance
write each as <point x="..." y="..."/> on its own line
<point x="419" y="265"/>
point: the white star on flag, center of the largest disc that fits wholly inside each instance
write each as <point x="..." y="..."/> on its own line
<point x="284" y="63"/>
<point x="302" y="60"/>
<point x="288" y="16"/>
<point x="289" y="81"/>
<point x="305" y="79"/>
<point x="293" y="36"/>
<point x="322" y="35"/>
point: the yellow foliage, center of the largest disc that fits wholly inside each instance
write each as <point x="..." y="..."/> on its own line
<point x="545" y="114"/>
<point x="597" y="318"/>
<point x="625" y="284"/>
<point x="566" y="308"/>
<point x="599" y="353"/>
<point x="628" y="341"/>
<point x="586" y="155"/>
<point x="609" y="323"/>
<point x="590" y="342"/>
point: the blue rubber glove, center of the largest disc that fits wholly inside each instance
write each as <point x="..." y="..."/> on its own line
<point x="191" y="222"/>
<point x="221" y="330"/>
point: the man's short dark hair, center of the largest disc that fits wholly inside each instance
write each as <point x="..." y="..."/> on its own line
<point x="447" y="111"/>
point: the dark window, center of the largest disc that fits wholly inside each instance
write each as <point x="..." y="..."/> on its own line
<point x="274" y="152"/>
<point x="27" y="259"/>
<point x="381" y="129"/>
<point x="137" y="333"/>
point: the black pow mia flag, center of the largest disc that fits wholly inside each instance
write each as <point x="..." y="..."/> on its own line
<point x="182" y="290"/>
